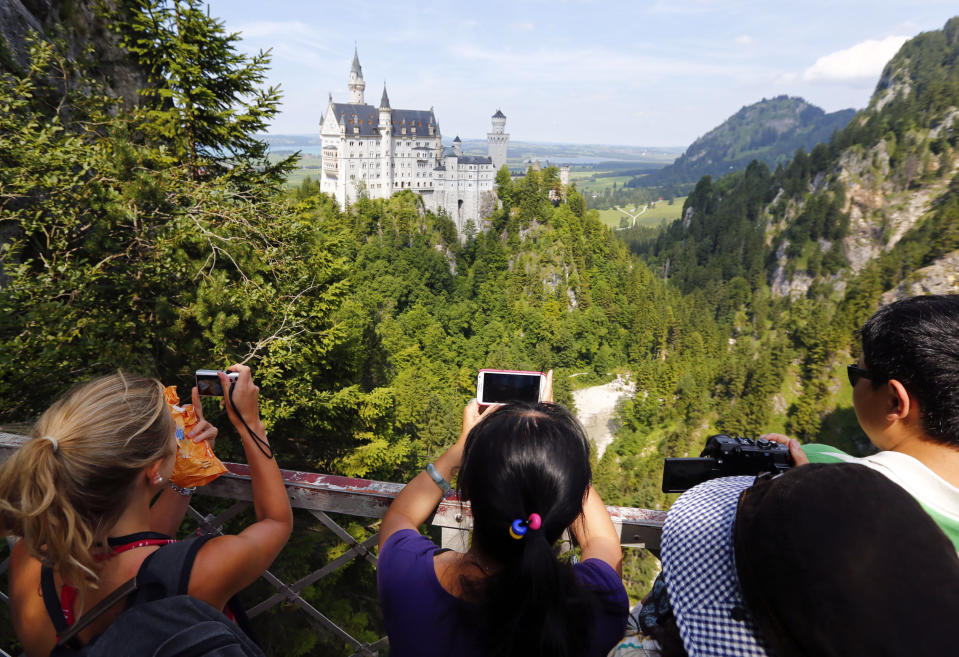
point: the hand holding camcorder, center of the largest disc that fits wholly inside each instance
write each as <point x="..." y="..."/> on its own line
<point x="725" y="456"/>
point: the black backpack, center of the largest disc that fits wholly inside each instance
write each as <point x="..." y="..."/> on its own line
<point x="160" y="619"/>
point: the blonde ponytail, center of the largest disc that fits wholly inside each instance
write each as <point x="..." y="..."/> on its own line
<point x="66" y="488"/>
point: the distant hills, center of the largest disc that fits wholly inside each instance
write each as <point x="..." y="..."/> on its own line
<point x="769" y="131"/>
<point x="651" y="157"/>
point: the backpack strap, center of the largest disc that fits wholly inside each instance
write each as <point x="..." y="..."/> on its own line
<point x="166" y="572"/>
<point x="162" y="577"/>
<point x="51" y="599"/>
<point x="99" y="608"/>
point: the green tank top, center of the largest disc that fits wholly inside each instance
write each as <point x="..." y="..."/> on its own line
<point x="936" y="496"/>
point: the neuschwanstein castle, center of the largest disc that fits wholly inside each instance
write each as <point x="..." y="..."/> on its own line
<point x="381" y="150"/>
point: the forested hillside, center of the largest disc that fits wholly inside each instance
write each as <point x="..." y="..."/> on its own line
<point x="769" y="131"/>
<point x="155" y="235"/>
<point x="801" y="255"/>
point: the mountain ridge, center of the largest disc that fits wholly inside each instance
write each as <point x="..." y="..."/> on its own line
<point x="770" y="130"/>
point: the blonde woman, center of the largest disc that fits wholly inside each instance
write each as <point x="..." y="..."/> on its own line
<point x="79" y="495"/>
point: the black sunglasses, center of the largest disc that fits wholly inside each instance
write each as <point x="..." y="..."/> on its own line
<point x="854" y="372"/>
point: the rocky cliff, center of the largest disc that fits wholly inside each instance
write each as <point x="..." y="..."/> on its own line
<point x="79" y="24"/>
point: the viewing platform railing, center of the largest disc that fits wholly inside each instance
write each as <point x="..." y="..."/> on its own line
<point x="319" y="495"/>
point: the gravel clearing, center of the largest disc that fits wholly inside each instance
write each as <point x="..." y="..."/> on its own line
<point x="596" y="406"/>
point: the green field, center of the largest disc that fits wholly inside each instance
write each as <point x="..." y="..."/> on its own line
<point x="298" y="175"/>
<point x="589" y="180"/>
<point x="659" y="212"/>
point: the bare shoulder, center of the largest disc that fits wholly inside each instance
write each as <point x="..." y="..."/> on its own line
<point x="223" y="567"/>
<point x="28" y="613"/>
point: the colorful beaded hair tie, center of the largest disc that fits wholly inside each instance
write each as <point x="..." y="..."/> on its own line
<point x="519" y="527"/>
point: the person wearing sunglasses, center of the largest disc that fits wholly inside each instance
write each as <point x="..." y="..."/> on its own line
<point x="906" y="398"/>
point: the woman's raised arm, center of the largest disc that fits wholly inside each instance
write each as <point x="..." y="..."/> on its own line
<point x="228" y="564"/>
<point x="596" y="534"/>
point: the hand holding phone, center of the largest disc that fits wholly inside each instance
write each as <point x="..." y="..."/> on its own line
<point x="501" y="386"/>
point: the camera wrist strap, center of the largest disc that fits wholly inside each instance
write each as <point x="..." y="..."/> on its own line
<point x="260" y="443"/>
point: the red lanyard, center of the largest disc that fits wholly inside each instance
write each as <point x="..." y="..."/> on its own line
<point x="68" y="594"/>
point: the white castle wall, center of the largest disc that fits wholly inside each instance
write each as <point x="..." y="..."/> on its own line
<point x="383" y="163"/>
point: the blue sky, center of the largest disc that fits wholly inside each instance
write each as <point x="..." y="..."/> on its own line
<point x="644" y="73"/>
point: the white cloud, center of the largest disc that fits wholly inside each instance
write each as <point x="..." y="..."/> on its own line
<point x="863" y="60"/>
<point x="522" y="27"/>
<point x="745" y="40"/>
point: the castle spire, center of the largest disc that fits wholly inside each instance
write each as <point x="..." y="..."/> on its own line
<point x="356" y="85"/>
<point x="356" y="63"/>
<point x="385" y="100"/>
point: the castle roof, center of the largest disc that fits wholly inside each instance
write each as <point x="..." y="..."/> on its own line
<point x="499" y="115"/>
<point x="457" y="140"/>
<point x="465" y="159"/>
<point x="474" y="159"/>
<point x="385" y="100"/>
<point x="356" y="64"/>
<point x="367" y="119"/>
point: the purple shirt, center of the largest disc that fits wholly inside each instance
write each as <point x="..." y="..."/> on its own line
<point x="422" y="618"/>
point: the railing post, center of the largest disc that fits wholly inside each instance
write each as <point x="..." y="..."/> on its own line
<point x="454" y="539"/>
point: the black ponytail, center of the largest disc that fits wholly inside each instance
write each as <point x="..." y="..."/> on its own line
<point x="527" y="459"/>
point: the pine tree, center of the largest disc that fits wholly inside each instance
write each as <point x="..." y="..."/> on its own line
<point x="205" y="99"/>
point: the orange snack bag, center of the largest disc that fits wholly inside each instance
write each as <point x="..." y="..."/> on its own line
<point x="196" y="464"/>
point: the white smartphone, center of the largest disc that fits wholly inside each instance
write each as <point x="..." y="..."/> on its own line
<point x="501" y="386"/>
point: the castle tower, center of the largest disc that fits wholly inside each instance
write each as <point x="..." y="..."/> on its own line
<point x="386" y="145"/>
<point x="564" y="175"/>
<point x="356" y="84"/>
<point x="498" y="141"/>
<point x="457" y="146"/>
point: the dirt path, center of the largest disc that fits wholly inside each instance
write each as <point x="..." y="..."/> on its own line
<point x="595" y="408"/>
<point x="632" y="216"/>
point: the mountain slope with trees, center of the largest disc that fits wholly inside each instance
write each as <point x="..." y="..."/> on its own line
<point x="769" y="131"/>
<point x="803" y="254"/>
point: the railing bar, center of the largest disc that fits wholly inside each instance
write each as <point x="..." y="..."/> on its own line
<point x="230" y="513"/>
<point x="334" y="527"/>
<point x="349" y="555"/>
<point x="372" y="648"/>
<point x="313" y="613"/>
<point x="283" y="589"/>
<point x="342" y="533"/>
<point x="315" y="576"/>
<point x="196" y="515"/>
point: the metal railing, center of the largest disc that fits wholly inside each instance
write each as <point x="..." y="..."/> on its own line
<point x="321" y="494"/>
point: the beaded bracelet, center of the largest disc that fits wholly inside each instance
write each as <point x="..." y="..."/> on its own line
<point x="183" y="491"/>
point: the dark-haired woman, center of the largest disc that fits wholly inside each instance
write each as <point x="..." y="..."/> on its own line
<point x="525" y="470"/>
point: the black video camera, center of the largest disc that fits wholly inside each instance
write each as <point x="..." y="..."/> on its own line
<point x="726" y="456"/>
